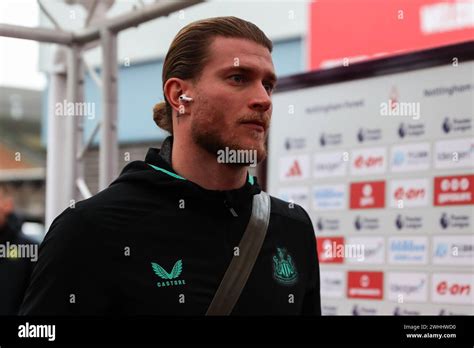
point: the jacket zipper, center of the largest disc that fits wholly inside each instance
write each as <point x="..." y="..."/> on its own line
<point x="232" y="211"/>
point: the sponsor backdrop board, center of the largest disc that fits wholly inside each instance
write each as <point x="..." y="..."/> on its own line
<point x="381" y="156"/>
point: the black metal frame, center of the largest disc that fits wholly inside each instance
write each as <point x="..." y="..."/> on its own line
<point x="443" y="55"/>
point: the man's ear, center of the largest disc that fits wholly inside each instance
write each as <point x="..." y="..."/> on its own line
<point x="173" y="88"/>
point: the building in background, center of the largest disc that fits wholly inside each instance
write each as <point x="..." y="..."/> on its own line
<point x="22" y="155"/>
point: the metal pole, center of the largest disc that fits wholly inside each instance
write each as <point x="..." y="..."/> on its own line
<point x="137" y="17"/>
<point x="90" y="14"/>
<point x="37" y="34"/>
<point x="133" y="19"/>
<point x="83" y="189"/>
<point x="108" y="156"/>
<point x="55" y="201"/>
<point x="88" y="142"/>
<point x="63" y="141"/>
<point x="80" y="164"/>
<point x="70" y="164"/>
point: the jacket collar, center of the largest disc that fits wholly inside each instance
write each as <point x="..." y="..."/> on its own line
<point x="160" y="161"/>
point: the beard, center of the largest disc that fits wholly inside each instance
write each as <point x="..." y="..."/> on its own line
<point x="207" y="133"/>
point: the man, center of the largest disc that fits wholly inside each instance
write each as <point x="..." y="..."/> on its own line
<point x="159" y="239"/>
<point x="15" y="269"/>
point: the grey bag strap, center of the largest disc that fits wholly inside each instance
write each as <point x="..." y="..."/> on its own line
<point x="241" y="266"/>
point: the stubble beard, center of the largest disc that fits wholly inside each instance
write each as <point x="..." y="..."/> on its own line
<point x="206" y="135"/>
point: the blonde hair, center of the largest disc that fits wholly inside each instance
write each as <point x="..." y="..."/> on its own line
<point x="188" y="54"/>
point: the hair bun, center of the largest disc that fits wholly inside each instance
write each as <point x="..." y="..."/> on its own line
<point x="160" y="117"/>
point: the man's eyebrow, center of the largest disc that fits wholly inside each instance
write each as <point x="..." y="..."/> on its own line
<point x="270" y="76"/>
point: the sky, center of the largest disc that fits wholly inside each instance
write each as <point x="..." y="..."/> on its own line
<point x="19" y="58"/>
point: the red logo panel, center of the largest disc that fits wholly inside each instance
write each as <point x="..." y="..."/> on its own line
<point x="368" y="285"/>
<point x="367" y="195"/>
<point x="329" y="249"/>
<point x="454" y="190"/>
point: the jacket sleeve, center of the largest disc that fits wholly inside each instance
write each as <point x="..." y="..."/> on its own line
<point x="67" y="278"/>
<point x="312" y="298"/>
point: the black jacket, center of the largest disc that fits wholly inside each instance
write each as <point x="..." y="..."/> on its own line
<point x="155" y="243"/>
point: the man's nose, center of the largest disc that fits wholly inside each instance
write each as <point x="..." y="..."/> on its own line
<point x="260" y="100"/>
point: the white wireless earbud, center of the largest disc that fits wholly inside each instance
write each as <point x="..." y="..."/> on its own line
<point x="184" y="97"/>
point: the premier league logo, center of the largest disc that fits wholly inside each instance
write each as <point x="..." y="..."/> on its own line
<point x="322" y="140"/>
<point x="446" y="125"/>
<point x="399" y="222"/>
<point x="360" y="135"/>
<point x="355" y="310"/>
<point x="319" y="224"/>
<point x="402" y="130"/>
<point x="444" y="220"/>
<point x="357" y="223"/>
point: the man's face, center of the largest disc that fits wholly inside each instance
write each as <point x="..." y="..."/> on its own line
<point x="232" y="103"/>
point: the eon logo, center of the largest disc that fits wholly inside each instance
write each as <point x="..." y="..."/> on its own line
<point x="368" y="162"/>
<point x="453" y="288"/>
<point x="444" y="288"/>
<point x="454" y="190"/>
<point x="409" y="193"/>
<point x="413" y="193"/>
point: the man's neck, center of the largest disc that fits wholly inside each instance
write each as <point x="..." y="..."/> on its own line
<point x="199" y="166"/>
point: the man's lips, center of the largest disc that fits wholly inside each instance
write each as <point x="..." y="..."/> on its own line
<point x="258" y="125"/>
